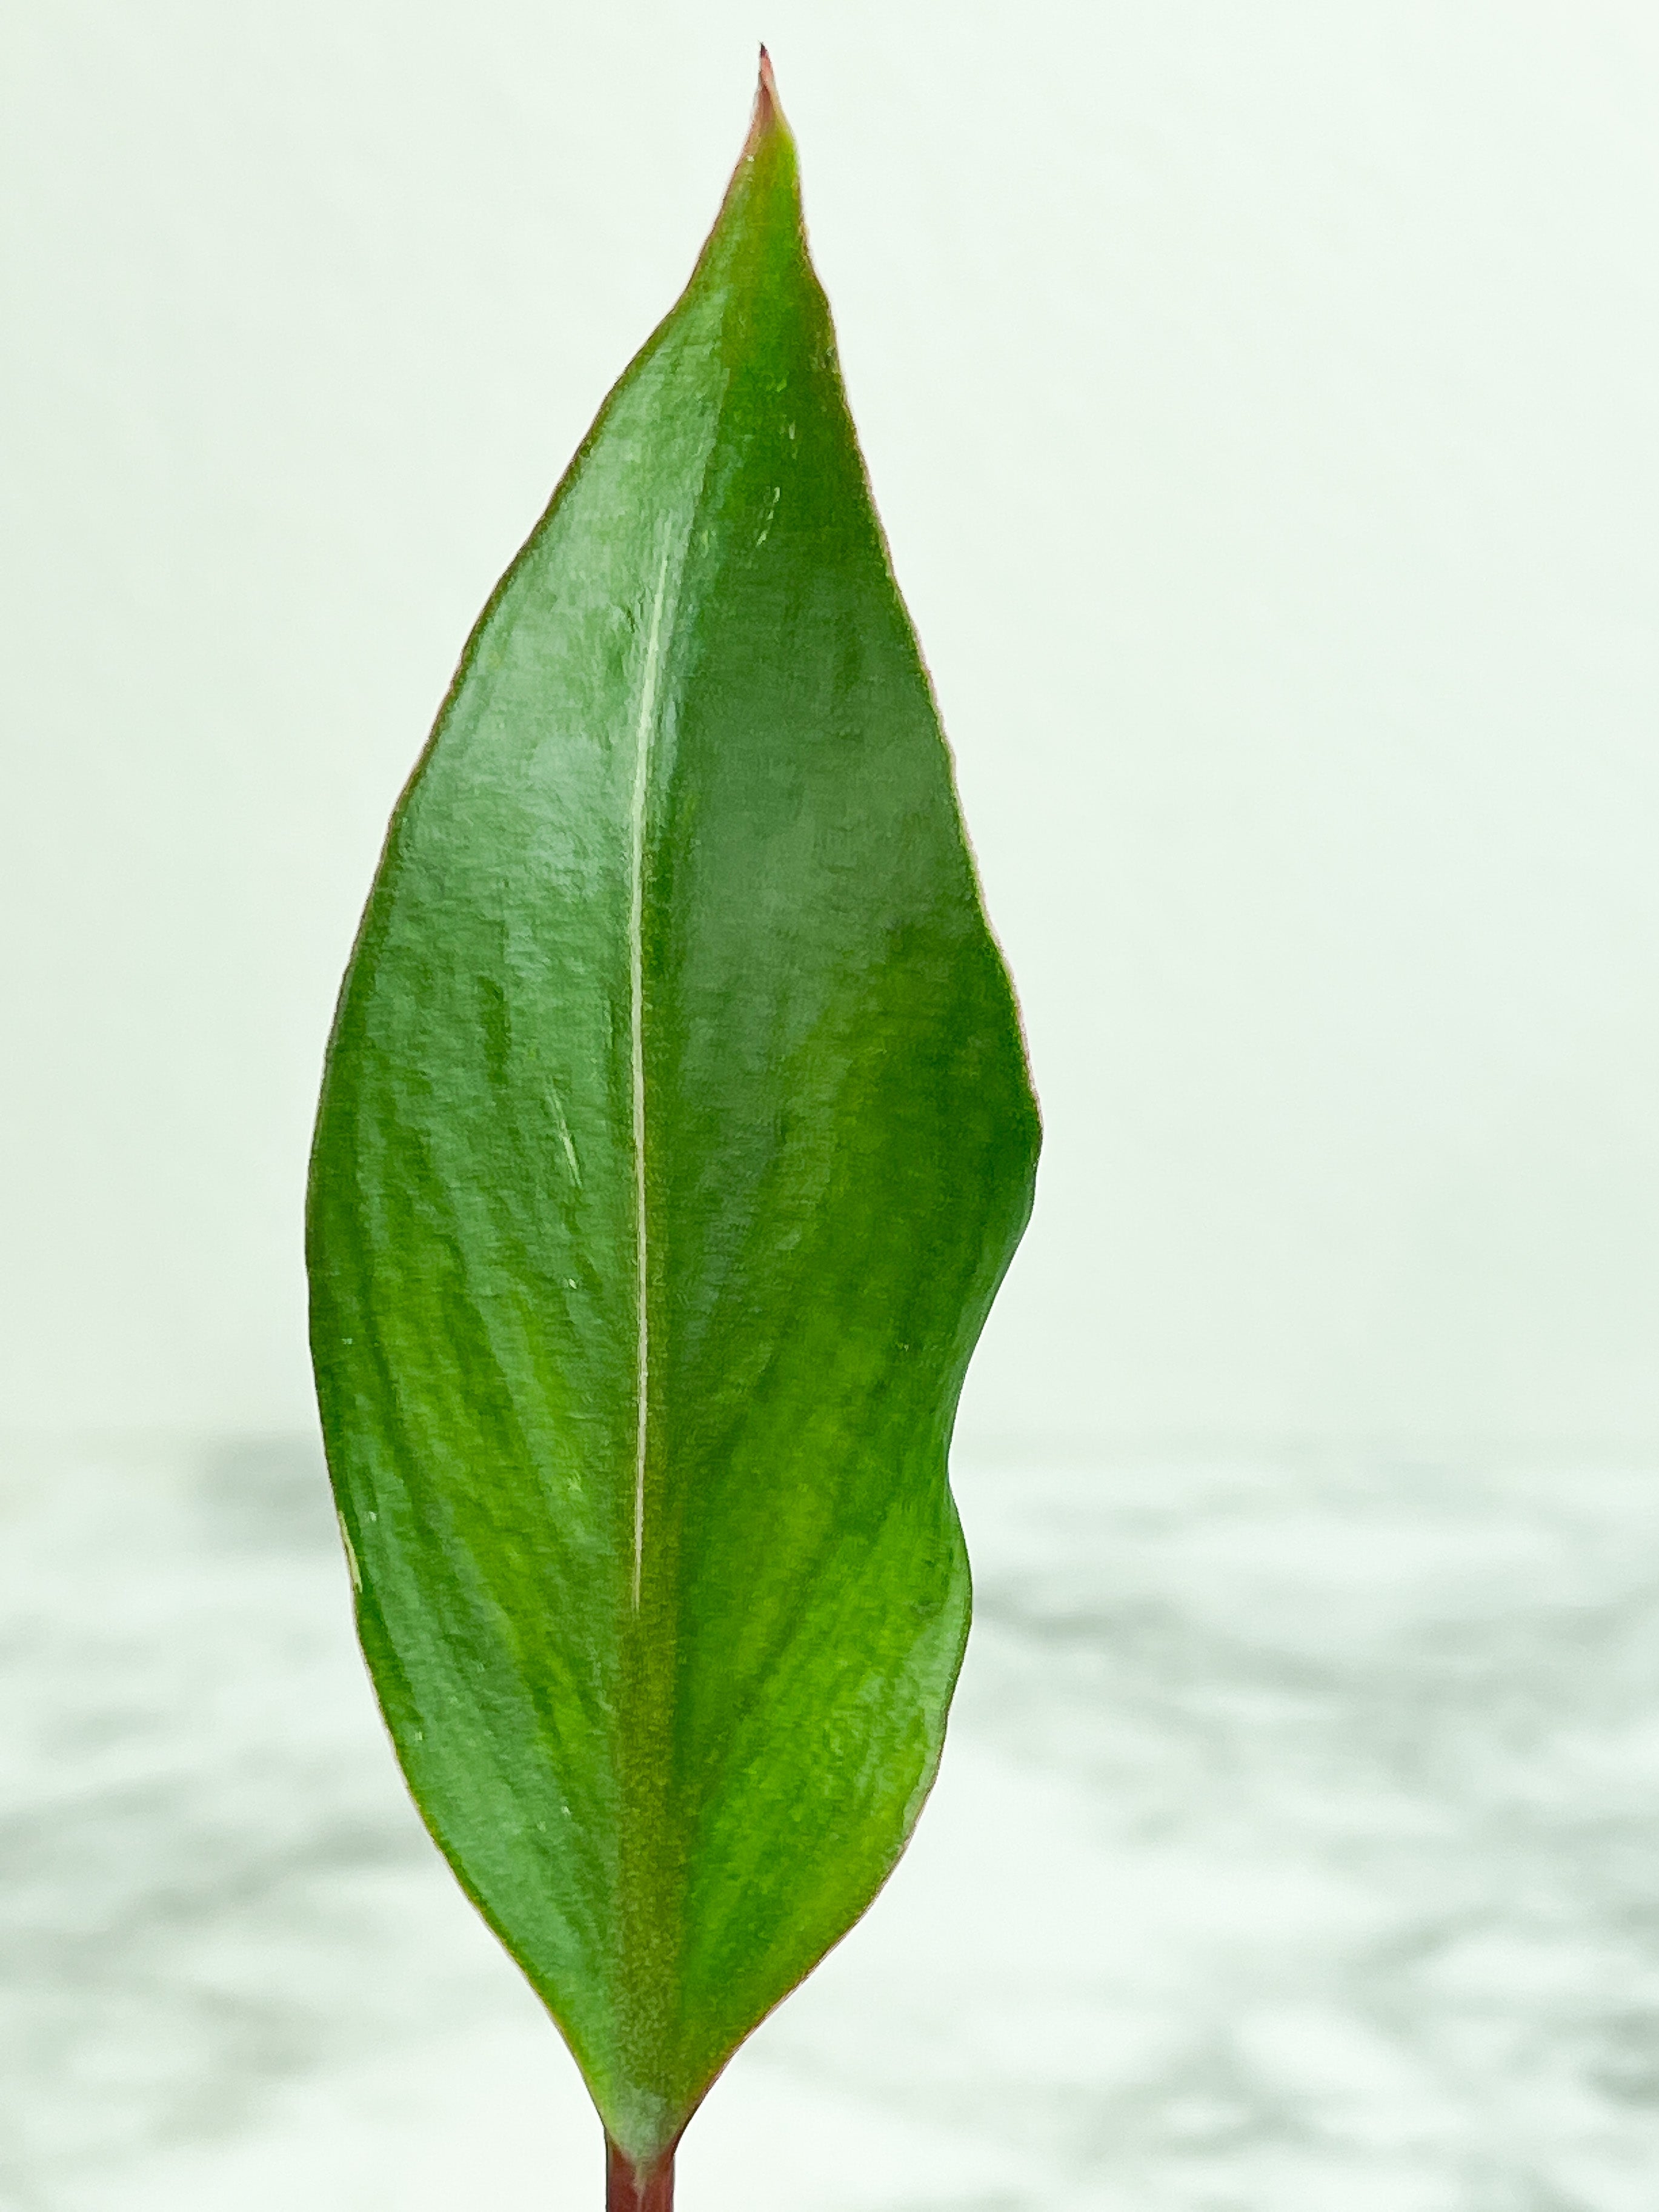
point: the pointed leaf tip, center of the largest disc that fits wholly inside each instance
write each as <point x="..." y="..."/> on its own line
<point x="768" y="111"/>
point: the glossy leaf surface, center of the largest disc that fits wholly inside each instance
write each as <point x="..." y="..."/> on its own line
<point x="675" y="1136"/>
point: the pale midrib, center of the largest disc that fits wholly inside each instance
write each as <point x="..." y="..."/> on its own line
<point x="650" y="685"/>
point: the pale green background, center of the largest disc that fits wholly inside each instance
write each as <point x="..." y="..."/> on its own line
<point x="1263" y="403"/>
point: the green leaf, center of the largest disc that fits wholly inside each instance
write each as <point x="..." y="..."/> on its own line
<point x="675" y="1136"/>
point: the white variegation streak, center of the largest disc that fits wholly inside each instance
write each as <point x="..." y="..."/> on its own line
<point x="645" y="736"/>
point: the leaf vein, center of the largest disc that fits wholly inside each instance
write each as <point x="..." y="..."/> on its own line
<point x="650" y="686"/>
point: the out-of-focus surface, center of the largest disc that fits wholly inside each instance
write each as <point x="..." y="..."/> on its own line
<point x="1295" y="1849"/>
<point x="1260" y="400"/>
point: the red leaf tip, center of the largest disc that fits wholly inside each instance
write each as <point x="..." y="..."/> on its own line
<point x="769" y="112"/>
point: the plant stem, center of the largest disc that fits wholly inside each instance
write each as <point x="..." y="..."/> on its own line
<point x="628" y="2190"/>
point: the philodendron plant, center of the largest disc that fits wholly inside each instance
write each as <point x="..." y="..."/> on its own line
<point x="675" y="1136"/>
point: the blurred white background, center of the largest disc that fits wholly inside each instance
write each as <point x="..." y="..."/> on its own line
<point x="1262" y="405"/>
<point x="1262" y="401"/>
